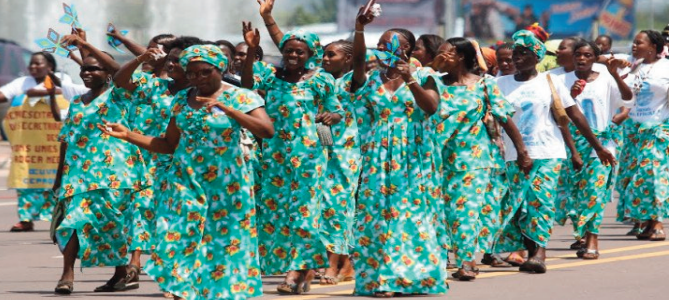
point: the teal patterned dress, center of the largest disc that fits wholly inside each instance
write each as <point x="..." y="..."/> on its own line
<point x="207" y="246"/>
<point x="344" y="164"/>
<point x="294" y="165"/>
<point x="471" y="217"/>
<point x="398" y="212"/>
<point x="100" y="175"/>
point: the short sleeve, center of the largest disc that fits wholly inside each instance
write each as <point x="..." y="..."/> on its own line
<point x="562" y="91"/>
<point x="145" y="85"/>
<point x="325" y="85"/>
<point x="263" y="74"/>
<point x="615" y="98"/>
<point x="501" y="109"/>
<point x="246" y="100"/>
<point x="70" y="90"/>
<point x="14" y="88"/>
<point x="179" y="102"/>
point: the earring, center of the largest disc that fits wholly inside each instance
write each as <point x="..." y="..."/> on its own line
<point x="109" y="79"/>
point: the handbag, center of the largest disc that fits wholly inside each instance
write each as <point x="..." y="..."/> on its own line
<point x="493" y="128"/>
<point x="558" y="111"/>
<point x="324" y="134"/>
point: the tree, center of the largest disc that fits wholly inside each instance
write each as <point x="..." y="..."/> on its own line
<point x="318" y="12"/>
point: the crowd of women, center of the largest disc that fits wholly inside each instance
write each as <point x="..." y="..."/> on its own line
<point x="426" y="155"/>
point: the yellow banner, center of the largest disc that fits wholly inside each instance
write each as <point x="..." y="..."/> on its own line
<point x="33" y="136"/>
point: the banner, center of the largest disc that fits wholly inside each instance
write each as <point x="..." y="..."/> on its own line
<point x="617" y="19"/>
<point x="417" y="16"/>
<point x="33" y="136"/>
<point x="498" y="20"/>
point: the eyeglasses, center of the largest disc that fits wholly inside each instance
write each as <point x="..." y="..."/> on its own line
<point x="203" y="73"/>
<point x="91" y="69"/>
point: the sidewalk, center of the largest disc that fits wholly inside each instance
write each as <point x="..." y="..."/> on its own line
<point x="5" y="161"/>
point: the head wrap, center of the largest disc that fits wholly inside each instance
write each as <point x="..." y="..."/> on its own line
<point x="208" y="53"/>
<point x="539" y="31"/>
<point x="489" y="56"/>
<point x="312" y="42"/>
<point x="528" y="40"/>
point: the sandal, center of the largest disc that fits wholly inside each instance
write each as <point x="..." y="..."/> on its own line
<point x="328" y="280"/>
<point x="466" y="274"/>
<point x="497" y="261"/>
<point x="514" y="262"/>
<point x="658" y="235"/>
<point x="533" y="265"/>
<point x="64" y="287"/>
<point x="289" y="289"/>
<point x="579" y="244"/>
<point x="112" y="285"/>
<point x="22" y="227"/>
<point x="634" y="231"/>
<point x="131" y="280"/>
<point x="487" y="259"/>
<point x="590" y="254"/>
<point x="345" y="278"/>
<point x="384" y="294"/>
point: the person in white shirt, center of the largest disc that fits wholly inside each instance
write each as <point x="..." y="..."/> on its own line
<point x="601" y="97"/>
<point x="529" y="224"/>
<point x="644" y="183"/>
<point x="33" y="204"/>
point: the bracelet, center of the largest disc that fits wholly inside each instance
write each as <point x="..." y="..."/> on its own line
<point x="359" y="32"/>
<point x="412" y="82"/>
<point x="273" y="23"/>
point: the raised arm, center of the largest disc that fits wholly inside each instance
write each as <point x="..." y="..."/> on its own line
<point x="359" y="50"/>
<point x="103" y="58"/>
<point x="123" y="77"/>
<point x="131" y="45"/>
<point x="625" y="91"/>
<point x="83" y="35"/>
<point x="164" y="145"/>
<point x="266" y="6"/>
<point x="252" y="39"/>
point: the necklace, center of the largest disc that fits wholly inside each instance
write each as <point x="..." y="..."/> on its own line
<point x="389" y="79"/>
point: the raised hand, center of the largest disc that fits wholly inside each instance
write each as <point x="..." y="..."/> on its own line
<point x="114" y="33"/>
<point x="72" y="39"/>
<point x="613" y="64"/>
<point x="151" y="55"/>
<point x="266" y="6"/>
<point x="252" y="38"/>
<point x="79" y="32"/>
<point x="364" y="18"/>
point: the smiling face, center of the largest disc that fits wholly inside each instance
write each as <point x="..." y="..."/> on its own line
<point x="295" y="54"/>
<point x="524" y="59"/>
<point x="565" y="54"/>
<point x="335" y="59"/>
<point x="204" y="76"/>
<point x="172" y="65"/>
<point x="93" y="74"/>
<point x="504" y="59"/>
<point x="39" y="67"/>
<point x="240" y="56"/>
<point x="642" y="46"/>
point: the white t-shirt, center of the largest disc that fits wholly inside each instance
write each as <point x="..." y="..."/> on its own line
<point x="599" y="102"/>
<point x="532" y="101"/>
<point x="22" y="84"/>
<point x="652" y="102"/>
<point x="597" y="67"/>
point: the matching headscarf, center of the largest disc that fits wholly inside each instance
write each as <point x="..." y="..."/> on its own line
<point x="208" y="53"/>
<point x="528" y="40"/>
<point x="312" y="42"/>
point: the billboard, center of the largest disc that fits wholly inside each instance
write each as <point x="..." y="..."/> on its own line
<point x="418" y="16"/>
<point x="499" y="19"/>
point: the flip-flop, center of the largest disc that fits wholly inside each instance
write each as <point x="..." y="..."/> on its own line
<point x="658" y="235"/>
<point x="514" y="263"/>
<point x="328" y="280"/>
<point x="64" y="287"/>
<point x="497" y="261"/>
<point x="590" y="254"/>
<point x="345" y="278"/>
<point x="289" y="289"/>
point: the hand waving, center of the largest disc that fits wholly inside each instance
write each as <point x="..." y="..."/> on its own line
<point x="251" y="37"/>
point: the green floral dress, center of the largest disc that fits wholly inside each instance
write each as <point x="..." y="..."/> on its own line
<point x="208" y="247"/>
<point x="100" y="174"/>
<point x="293" y="174"/>
<point x="466" y="149"/>
<point x="149" y="114"/>
<point x="398" y="212"/>
<point x="344" y="164"/>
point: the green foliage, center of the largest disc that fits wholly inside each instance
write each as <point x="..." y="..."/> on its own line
<point x="321" y="11"/>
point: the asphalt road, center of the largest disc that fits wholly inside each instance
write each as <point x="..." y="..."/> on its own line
<point x="628" y="269"/>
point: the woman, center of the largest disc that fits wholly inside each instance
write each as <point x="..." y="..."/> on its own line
<point x="529" y="225"/>
<point x="33" y="204"/>
<point x="646" y="194"/>
<point x="398" y="219"/>
<point x="426" y="48"/>
<point x="565" y="56"/>
<point x="210" y="234"/>
<point x="294" y="160"/>
<point x="344" y="163"/>
<point x="598" y="99"/>
<point x="151" y="100"/>
<point x="97" y="177"/>
<point x="468" y="164"/>
<point x="504" y="59"/>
